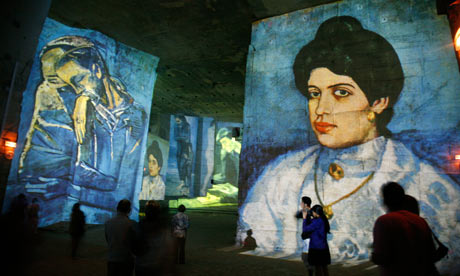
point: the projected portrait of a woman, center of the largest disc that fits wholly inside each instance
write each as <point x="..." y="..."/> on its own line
<point x="351" y="78"/>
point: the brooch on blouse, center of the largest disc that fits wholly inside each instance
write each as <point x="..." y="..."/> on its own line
<point x="336" y="171"/>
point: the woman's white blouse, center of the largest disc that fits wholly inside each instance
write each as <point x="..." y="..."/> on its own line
<point x="270" y="207"/>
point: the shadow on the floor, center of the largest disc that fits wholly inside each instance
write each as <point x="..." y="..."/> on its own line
<point x="210" y="250"/>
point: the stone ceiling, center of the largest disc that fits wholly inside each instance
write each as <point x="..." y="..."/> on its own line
<point x="202" y="45"/>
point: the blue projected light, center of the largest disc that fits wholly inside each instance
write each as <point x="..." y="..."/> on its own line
<point x="340" y="99"/>
<point x="83" y="127"/>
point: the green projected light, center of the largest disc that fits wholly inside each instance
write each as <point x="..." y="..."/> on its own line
<point x="219" y="195"/>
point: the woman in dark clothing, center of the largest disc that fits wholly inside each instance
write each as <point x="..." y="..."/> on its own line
<point x="154" y="245"/>
<point x="318" y="255"/>
<point x="76" y="227"/>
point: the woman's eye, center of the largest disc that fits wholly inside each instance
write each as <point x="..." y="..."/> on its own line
<point x="314" y="94"/>
<point x="341" y="93"/>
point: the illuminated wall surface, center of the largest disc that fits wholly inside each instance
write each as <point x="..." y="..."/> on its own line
<point x="182" y="156"/>
<point x="192" y="161"/>
<point x="156" y="159"/>
<point x="333" y="143"/>
<point x="83" y="128"/>
<point x="197" y="172"/>
<point x="227" y="154"/>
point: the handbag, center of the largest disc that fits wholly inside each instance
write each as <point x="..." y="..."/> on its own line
<point x="441" y="251"/>
<point x="306" y="235"/>
<point x="179" y="233"/>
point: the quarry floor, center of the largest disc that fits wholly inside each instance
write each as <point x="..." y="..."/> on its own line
<point x="209" y="251"/>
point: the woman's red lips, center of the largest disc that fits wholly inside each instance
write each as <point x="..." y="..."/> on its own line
<point x="323" y="127"/>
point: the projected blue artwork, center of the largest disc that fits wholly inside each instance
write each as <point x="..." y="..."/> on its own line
<point x="181" y="156"/>
<point x="335" y="107"/>
<point x="227" y="154"/>
<point x="83" y="125"/>
<point x="153" y="185"/>
<point x="205" y="156"/>
<point x="156" y="159"/>
<point x="188" y="162"/>
<point x="214" y="163"/>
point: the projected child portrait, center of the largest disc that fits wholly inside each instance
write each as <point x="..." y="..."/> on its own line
<point x="351" y="78"/>
<point x="86" y="127"/>
<point x="153" y="186"/>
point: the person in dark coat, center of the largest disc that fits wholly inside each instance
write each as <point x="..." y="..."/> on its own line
<point x="318" y="254"/>
<point x="155" y="244"/>
<point x="76" y="227"/>
<point x="306" y="214"/>
<point x="121" y="235"/>
<point x="32" y="215"/>
<point x="15" y="240"/>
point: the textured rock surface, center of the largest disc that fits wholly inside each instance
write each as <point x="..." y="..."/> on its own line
<point x="202" y="45"/>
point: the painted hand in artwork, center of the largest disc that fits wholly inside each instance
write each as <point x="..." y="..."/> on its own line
<point x="46" y="187"/>
<point x="79" y="117"/>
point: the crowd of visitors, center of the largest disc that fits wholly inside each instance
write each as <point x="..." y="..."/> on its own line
<point x="150" y="247"/>
<point x="403" y="243"/>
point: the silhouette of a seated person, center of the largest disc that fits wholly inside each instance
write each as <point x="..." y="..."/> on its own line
<point x="249" y="242"/>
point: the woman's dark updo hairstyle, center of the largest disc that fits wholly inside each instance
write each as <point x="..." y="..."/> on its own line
<point x="345" y="48"/>
<point x="155" y="151"/>
<point x="319" y="210"/>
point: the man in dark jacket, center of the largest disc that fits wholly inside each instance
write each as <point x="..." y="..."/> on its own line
<point x="120" y="235"/>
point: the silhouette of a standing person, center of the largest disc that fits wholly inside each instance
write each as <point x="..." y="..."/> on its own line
<point x="403" y="243"/>
<point x="120" y="234"/>
<point x="154" y="245"/>
<point x="76" y="227"/>
<point x="14" y="238"/>
<point x="180" y="224"/>
<point x="32" y="215"/>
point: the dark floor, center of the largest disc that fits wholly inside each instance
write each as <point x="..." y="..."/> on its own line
<point x="209" y="251"/>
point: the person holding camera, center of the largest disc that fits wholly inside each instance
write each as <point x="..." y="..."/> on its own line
<point x="306" y="215"/>
<point x="318" y="251"/>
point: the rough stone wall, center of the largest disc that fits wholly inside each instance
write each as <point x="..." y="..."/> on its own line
<point x="22" y="22"/>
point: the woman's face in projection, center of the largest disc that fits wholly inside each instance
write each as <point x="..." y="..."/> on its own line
<point x="338" y="110"/>
<point x="154" y="169"/>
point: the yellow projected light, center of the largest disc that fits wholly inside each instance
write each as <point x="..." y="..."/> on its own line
<point x="219" y="195"/>
<point x="457" y="40"/>
<point x="10" y="144"/>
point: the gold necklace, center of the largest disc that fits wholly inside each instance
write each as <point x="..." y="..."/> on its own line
<point x="328" y="208"/>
